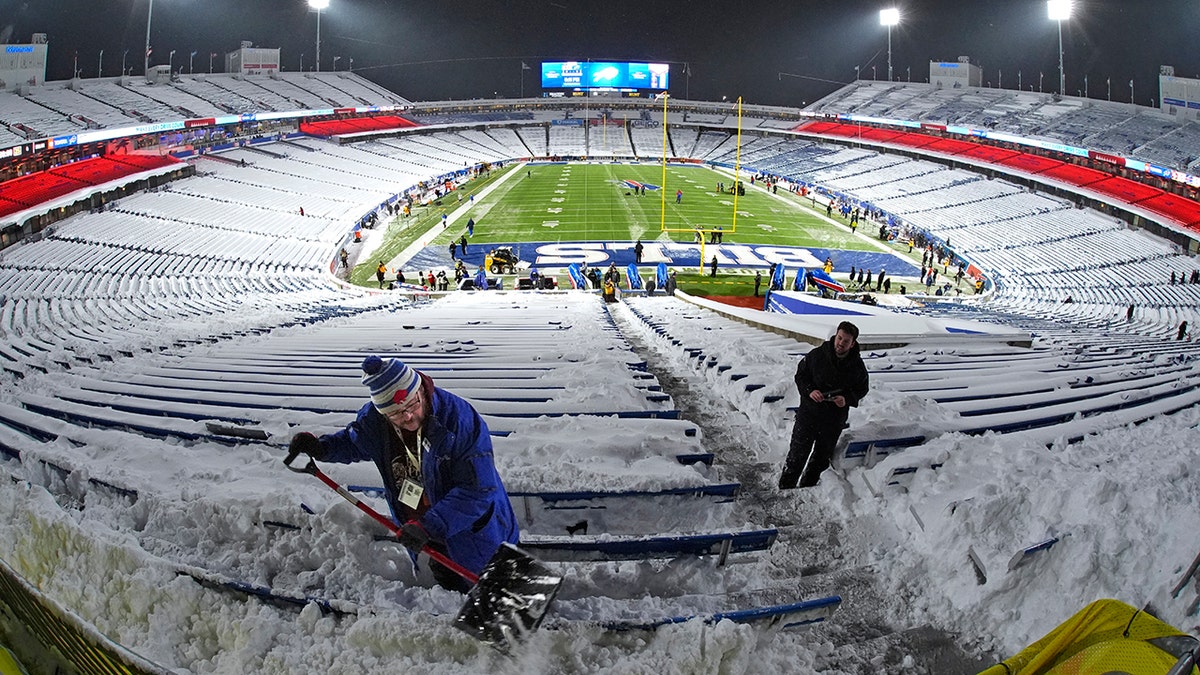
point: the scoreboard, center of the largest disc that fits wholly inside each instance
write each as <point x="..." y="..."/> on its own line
<point x="604" y="76"/>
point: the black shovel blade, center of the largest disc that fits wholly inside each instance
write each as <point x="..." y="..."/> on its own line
<point x="511" y="599"/>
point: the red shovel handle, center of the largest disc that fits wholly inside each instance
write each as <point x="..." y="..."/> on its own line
<point x="311" y="468"/>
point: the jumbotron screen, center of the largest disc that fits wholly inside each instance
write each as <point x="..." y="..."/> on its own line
<point x="604" y="76"/>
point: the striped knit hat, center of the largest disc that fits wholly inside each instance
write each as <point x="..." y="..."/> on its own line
<point x="390" y="382"/>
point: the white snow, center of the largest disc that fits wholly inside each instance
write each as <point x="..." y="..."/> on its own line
<point x="891" y="534"/>
<point x="1122" y="502"/>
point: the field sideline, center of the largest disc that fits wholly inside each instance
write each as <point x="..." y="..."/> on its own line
<point x="592" y="202"/>
<point x="578" y="202"/>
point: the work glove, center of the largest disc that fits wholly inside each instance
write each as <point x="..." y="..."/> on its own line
<point x="308" y="444"/>
<point x="413" y="537"/>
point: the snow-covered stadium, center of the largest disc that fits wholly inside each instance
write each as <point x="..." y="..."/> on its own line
<point x="169" y="318"/>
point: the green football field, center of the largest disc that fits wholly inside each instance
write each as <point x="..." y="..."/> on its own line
<point x="593" y="202"/>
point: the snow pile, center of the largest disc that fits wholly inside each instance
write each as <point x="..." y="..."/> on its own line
<point x="147" y="572"/>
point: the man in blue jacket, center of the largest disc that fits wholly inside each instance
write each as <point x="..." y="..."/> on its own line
<point x="832" y="379"/>
<point x="434" y="453"/>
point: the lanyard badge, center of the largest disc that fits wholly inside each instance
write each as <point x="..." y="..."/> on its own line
<point x="410" y="494"/>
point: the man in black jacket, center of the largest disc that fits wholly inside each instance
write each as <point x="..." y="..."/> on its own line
<point x="831" y="378"/>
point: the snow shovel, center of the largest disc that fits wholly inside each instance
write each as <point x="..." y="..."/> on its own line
<point x="507" y="601"/>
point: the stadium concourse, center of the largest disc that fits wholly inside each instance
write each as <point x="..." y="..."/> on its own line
<point x="1018" y="456"/>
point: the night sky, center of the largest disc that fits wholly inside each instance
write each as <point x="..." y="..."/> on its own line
<point x="779" y="53"/>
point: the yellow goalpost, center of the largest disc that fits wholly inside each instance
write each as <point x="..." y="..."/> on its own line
<point x="700" y="231"/>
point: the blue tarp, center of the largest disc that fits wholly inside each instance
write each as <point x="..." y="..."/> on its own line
<point x="777" y="278"/>
<point x="633" y="278"/>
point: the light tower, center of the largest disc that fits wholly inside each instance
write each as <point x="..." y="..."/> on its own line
<point x="889" y="17"/>
<point x="149" y="14"/>
<point x="1060" y="10"/>
<point x="318" y="5"/>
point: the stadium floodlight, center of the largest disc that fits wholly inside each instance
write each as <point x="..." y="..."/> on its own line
<point x="318" y="5"/>
<point x="889" y="17"/>
<point x="1060" y="10"/>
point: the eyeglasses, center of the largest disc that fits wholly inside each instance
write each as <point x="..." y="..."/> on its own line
<point x="412" y="405"/>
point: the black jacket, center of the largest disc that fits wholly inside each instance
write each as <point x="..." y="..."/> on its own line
<point x="822" y="369"/>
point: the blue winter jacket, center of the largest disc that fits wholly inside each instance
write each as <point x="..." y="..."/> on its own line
<point x="469" y="509"/>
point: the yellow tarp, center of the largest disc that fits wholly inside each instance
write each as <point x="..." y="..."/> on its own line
<point x="1106" y="637"/>
<point x="9" y="664"/>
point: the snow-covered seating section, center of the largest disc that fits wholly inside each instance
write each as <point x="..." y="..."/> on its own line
<point x="1128" y="136"/>
<point x="853" y="164"/>
<point x="1076" y="128"/>
<point x="93" y="112"/>
<point x="798" y="157"/>
<point x="300" y="98"/>
<point x="511" y="142"/>
<point x="29" y="120"/>
<point x="8" y="138"/>
<point x="1110" y="379"/>
<point x="888" y="99"/>
<point x="184" y="103"/>
<point x="829" y="164"/>
<point x="648" y="142"/>
<point x="452" y="148"/>
<point x="754" y="150"/>
<point x="1178" y="148"/>
<point x="490" y="147"/>
<point x="568" y="140"/>
<point x="434" y="118"/>
<point x="987" y="205"/>
<point x="327" y="87"/>
<point x="64" y="108"/>
<point x="216" y="210"/>
<point x="135" y="105"/>
<point x="196" y="328"/>
<point x="221" y="97"/>
<point x="610" y="140"/>
<point x="847" y="99"/>
<point x="609" y="455"/>
<point x="1022" y="238"/>
<point x="1120" y="128"/>
<point x="712" y="144"/>
<point x="360" y="90"/>
<point x="482" y="354"/>
<point x="263" y="97"/>
<point x="110" y="284"/>
<point x="325" y="174"/>
<point x="411" y="153"/>
<point x="873" y="179"/>
<point x="198" y="251"/>
<point x="535" y="139"/>
<point x="683" y="140"/>
<point x="931" y="179"/>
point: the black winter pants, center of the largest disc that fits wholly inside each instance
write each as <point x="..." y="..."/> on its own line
<point x="810" y="451"/>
